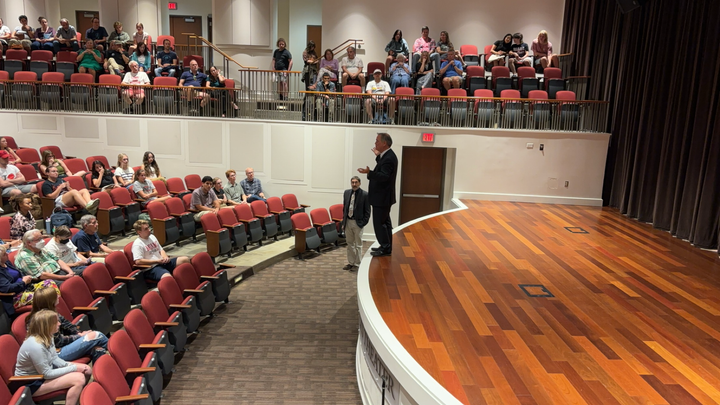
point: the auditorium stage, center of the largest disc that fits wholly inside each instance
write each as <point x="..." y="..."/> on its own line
<point x="515" y="303"/>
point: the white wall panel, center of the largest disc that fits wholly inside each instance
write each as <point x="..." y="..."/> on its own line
<point x="123" y="132"/>
<point x="82" y="127"/>
<point x="43" y="122"/>
<point x="247" y="146"/>
<point x="328" y="158"/>
<point x="164" y="137"/>
<point x="287" y="151"/>
<point x="204" y="142"/>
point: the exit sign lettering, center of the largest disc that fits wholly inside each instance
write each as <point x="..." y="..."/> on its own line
<point x="428" y="137"/>
<point x="172" y="6"/>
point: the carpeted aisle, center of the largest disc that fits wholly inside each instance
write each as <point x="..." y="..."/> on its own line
<point x="287" y="337"/>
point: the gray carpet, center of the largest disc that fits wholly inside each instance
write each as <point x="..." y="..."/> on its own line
<point x="287" y="337"/>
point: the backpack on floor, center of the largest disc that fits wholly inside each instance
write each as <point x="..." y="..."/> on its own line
<point x="60" y="217"/>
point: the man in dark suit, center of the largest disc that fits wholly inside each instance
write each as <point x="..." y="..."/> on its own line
<point x="356" y="214"/>
<point x="381" y="191"/>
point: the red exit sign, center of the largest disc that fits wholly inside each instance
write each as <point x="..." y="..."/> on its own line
<point x="428" y="137"/>
<point x="172" y="6"/>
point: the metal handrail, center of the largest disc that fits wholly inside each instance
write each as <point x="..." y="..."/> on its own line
<point x="340" y="47"/>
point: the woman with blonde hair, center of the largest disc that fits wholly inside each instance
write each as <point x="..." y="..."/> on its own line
<point x="72" y="343"/>
<point x="37" y="356"/>
<point x="123" y="171"/>
<point x="543" y="52"/>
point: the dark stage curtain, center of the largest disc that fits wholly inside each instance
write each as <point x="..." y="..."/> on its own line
<point x="659" y="66"/>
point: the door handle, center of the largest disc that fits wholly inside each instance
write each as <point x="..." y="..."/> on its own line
<point x="421" y="195"/>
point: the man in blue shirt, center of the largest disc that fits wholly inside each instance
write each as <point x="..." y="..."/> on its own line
<point x="98" y="34"/>
<point x="166" y="60"/>
<point x="88" y="240"/>
<point x="451" y="71"/>
<point x="252" y="188"/>
<point x="194" y="78"/>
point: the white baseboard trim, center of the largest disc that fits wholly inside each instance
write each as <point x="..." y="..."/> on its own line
<point x="529" y="198"/>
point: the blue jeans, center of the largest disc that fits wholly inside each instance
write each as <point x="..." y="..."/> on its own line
<point x="45" y="46"/>
<point x="254" y="197"/>
<point x="159" y="70"/>
<point x="57" y="46"/>
<point x="80" y="348"/>
<point x="399" y="81"/>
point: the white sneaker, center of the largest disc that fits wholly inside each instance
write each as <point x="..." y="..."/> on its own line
<point x="2" y="211"/>
<point x="92" y="206"/>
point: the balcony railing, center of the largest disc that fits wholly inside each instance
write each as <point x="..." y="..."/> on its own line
<point x="255" y="101"/>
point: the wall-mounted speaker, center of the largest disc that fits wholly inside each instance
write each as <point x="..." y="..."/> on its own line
<point x="627" y="6"/>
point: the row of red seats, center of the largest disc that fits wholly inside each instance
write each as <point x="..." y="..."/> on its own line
<point x="143" y="351"/>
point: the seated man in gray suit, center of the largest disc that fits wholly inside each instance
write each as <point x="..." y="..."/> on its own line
<point x="356" y="214"/>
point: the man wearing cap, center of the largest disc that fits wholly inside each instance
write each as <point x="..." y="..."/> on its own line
<point x="116" y="59"/>
<point x="12" y="181"/>
<point x="379" y="90"/>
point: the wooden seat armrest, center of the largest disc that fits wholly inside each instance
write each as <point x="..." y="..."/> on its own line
<point x="124" y="204"/>
<point x="304" y="205"/>
<point x="226" y="266"/>
<point x="152" y="346"/>
<point x="245" y="221"/>
<point x="209" y="278"/>
<point x="139" y="200"/>
<point x="85" y="309"/>
<point x="25" y="378"/>
<point x="167" y="324"/>
<point x="2" y="294"/>
<point x="193" y="291"/>
<point x="131" y="398"/>
<point x="316" y="224"/>
<point x="176" y="215"/>
<point x="180" y="306"/>
<point x="104" y="292"/>
<point x="300" y="230"/>
<point x="228" y="226"/>
<point x="123" y="278"/>
<point x="193" y="210"/>
<point x="217" y="232"/>
<point x="336" y="219"/>
<point x="70" y="157"/>
<point x="259" y="216"/>
<point x="277" y="212"/>
<point x="93" y="188"/>
<point x="140" y="370"/>
<point x="142" y="266"/>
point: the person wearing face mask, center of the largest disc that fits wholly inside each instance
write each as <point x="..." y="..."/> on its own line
<point x="33" y="261"/>
<point x="62" y="247"/>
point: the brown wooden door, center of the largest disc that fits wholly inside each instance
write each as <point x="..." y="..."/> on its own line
<point x="83" y="21"/>
<point x="185" y="24"/>
<point x="314" y="33"/>
<point x="421" y="182"/>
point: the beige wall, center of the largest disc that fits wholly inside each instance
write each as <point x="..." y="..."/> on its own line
<point x="315" y="162"/>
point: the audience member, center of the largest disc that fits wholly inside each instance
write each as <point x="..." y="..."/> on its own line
<point x="379" y="90"/>
<point x="147" y="250"/>
<point x="282" y="62"/>
<point x="71" y="343"/>
<point x="216" y="80"/>
<point x="399" y="73"/>
<point x="116" y="59"/>
<point x="543" y="51"/>
<point x="102" y="177"/>
<point x="232" y="189"/>
<point x="356" y="214"/>
<point x="252" y="187"/>
<point x="145" y="189"/>
<point x="5" y="34"/>
<point x="310" y="59"/>
<point x="119" y="35"/>
<point x="444" y="45"/>
<point x="98" y="34"/>
<point x="167" y="60"/>
<point x="11" y="282"/>
<point x="195" y="78"/>
<point x="124" y="174"/>
<point x="22" y="35"/>
<point x="65" y="195"/>
<point x="23" y="219"/>
<point x="11" y="180"/>
<point x="352" y="67"/>
<point x="425" y="43"/>
<point x="140" y="37"/>
<point x="136" y="78"/>
<point x="520" y="53"/>
<point x="204" y="200"/>
<point x="451" y="71"/>
<point x="323" y="100"/>
<point x="395" y="47"/>
<point x="220" y="193"/>
<point x="49" y="160"/>
<point x="424" y="71"/>
<point x="35" y="262"/>
<point x="142" y="57"/>
<point x="88" y="241"/>
<point x="329" y="65"/>
<point x="44" y="36"/>
<point x="4" y="147"/>
<point x="90" y="60"/>
<point x="65" y="37"/>
<point x="500" y="49"/>
<point x="150" y="166"/>
<point x="38" y="356"/>
<point x="62" y="247"/>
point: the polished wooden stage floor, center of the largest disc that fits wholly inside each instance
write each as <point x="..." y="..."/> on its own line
<point x="512" y="303"/>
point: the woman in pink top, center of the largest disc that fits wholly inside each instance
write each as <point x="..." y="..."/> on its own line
<point x="139" y="36"/>
<point x="543" y="52"/>
<point x="329" y="65"/>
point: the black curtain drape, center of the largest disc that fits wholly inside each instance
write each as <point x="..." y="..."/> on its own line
<point x="659" y="66"/>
